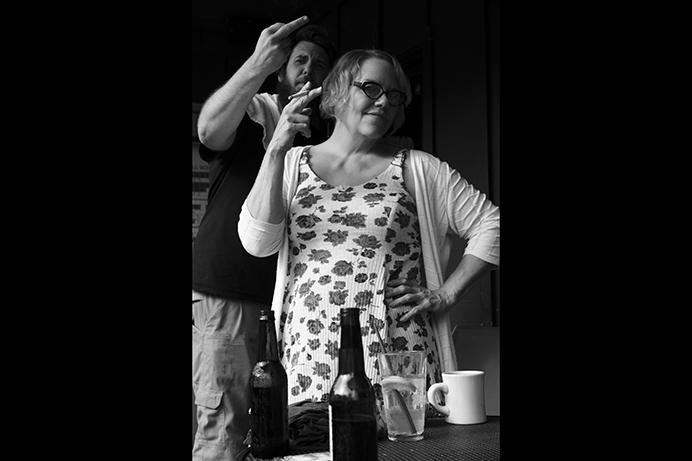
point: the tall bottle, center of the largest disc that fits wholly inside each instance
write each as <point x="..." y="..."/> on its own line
<point x="269" y="405"/>
<point x="352" y="417"/>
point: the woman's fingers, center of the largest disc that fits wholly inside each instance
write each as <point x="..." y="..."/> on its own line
<point x="396" y="282"/>
<point x="424" y="304"/>
<point x="304" y="129"/>
<point x="404" y="293"/>
<point x="398" y="292"/>
<point x="313" y="94"/>
<point x="430" y="301"/>
<point x="295" y="118"/>
<point x="405" y="299"/>
<point x="398" y="287"/>
<point x="305" y="99"/>
<point x="298" y="118"/>
<point x="401" y="292"/>
<point x="410" y="314"/>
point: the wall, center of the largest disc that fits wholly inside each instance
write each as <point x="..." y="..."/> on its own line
<point x="479" y="349"/>
<point x="461" y="121"/>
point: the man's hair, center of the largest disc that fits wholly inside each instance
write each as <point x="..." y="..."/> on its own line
<point x="337" y="83"/>
<point x="315" y="34"/>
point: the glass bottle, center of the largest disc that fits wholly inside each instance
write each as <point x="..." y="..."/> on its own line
<point x="352" y="417"/>
<point x="269" y="404"/>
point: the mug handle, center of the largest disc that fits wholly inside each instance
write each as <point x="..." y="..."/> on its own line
<point x="435" y="388"/>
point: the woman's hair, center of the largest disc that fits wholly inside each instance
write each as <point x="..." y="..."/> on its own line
<point x="337" y="84"/>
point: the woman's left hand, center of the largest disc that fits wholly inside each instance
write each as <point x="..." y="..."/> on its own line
<point x="402" y="292"/>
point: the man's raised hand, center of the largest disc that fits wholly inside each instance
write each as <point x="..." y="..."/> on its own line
<point x="274" y="46"/>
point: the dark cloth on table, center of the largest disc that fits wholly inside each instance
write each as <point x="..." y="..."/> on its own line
<point x="308" y="426"/>
<point x="308" y="429"/>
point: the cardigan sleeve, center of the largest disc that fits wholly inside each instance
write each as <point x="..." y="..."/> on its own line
<point x="263" y="239"/>
<point x="259" y="238"/>
<point x="472" y="216"/>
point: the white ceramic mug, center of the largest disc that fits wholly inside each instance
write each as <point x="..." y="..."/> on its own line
<point x="464" y="395"/>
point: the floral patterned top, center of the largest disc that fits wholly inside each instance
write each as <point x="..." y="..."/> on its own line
<point x="345" y="244"/>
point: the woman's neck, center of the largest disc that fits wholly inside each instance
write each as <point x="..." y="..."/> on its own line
<point x="345" y="143"/>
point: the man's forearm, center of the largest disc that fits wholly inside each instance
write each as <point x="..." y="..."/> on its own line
<point x="222" y="112"/>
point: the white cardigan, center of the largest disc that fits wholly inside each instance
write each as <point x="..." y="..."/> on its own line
<point x="446" y="204"/>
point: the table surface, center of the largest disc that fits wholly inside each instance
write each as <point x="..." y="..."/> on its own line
<point x="441" y="442"/>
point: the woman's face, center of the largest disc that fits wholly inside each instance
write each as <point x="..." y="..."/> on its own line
<point x="364" y="116"/>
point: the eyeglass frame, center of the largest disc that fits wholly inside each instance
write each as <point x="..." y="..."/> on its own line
<point x="382" y="91"/>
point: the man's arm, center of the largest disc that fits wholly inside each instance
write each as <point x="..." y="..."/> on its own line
<point x="222" y="112"/>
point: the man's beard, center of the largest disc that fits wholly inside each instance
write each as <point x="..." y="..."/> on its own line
<point x="284" y="90"/>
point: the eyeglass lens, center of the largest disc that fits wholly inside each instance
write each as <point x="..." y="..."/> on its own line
<point x="374" y="91"/>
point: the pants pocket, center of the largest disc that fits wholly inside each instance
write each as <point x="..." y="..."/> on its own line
<point x="210" y="415"/>
<point x="197" y="340"/>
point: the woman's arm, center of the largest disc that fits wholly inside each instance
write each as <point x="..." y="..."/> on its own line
<point x="468" y="271"/>
<point x="474" y="218"/>
<point x="263" y="212"/>
<point x="264" y="202"/>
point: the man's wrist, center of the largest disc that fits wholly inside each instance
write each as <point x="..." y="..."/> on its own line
<point x="255" y="68"/>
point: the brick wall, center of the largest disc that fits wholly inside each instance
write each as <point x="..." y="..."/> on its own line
<point x="200" y="176"/>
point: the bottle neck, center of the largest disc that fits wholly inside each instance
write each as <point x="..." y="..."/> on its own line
<point x="351" y="348"/>
<point x="268" y="349"/>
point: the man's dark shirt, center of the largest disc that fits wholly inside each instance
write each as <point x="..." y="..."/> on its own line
<point x="220" y="265"/>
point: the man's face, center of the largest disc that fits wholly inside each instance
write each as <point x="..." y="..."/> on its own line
<point x="307" y="62"/>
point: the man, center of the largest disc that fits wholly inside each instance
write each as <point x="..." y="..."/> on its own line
<point x="229" y="285"/>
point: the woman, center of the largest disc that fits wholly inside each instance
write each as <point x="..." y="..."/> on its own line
<point x="360" y="222"/>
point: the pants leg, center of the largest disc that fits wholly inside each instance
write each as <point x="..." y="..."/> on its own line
<point x="224" y="350"/>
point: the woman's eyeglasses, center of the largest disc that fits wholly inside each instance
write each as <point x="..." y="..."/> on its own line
<point x="374" y="90"/>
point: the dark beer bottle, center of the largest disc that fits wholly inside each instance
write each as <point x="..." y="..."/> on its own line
<point x="269" y="405"/>
<point x="352" y="417"/>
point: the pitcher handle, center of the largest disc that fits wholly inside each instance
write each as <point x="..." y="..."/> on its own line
<point x="435" y="388"/>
